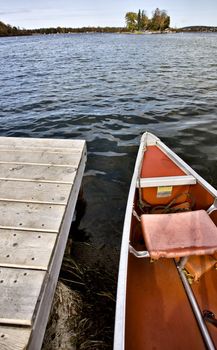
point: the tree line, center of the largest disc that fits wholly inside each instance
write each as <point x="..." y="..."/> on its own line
<point x="67" y="30"/>
<point x="8" y="30"/>
<point x="139" y="21"/>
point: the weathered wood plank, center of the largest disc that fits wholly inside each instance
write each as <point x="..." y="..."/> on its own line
<point x="31" y="217"/>
<point x="24" y="249"/>
<point x="40" y="158"/>
<point x="35" y="143"/>
<point x="39" y="184"/>
<point x="14" y="338"/>
<point x="34" y="192"/>
<point x="38" y="173"/>
<point x="32" y="149"/>
<point x="47" y="296"/>
<point x="19" y="290"/>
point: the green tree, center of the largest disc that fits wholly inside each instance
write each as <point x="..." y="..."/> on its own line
<point x="165" y="22"/>
<point x="3" y="29"/>
<point x="131" y="20"/>
<point x="139" y="20"/>
<point x="144" y="21"/>
<point x="156" y="20"/>
<point x="160" y="20"/>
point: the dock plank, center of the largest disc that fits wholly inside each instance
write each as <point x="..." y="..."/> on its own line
<point x="54" y="268"/>
<point x="39" y="185"/>
<point x="36" y="143"/>
<point x="19" y="290"/>
<point x="40" y="173"/>
<point x="26" y="249"/>
<point x="14" y="338"/>
<point x="34" y="192"/>
<point x="31" y="217"/>
<point x="39" y="157"/>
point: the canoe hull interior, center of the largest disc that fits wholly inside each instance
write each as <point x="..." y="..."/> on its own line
<point x="157" y="164"/>
<point x="158" y="314"/>
<point x="155" y="312"/>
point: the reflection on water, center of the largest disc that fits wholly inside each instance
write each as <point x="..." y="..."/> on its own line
<point x="109" y="89"/>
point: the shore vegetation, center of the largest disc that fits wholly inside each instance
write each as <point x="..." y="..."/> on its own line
<point x="139" y="21"/>
<point x="8" y="30"/>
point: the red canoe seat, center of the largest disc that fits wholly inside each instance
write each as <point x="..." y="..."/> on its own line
<point x="179" y="234"/>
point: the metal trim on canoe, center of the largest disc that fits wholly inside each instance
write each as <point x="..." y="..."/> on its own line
<point x="119" y="333"/>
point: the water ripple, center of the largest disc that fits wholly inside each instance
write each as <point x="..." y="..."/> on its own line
<point x="109" y="89"/>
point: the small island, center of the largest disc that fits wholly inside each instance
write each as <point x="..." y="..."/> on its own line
<point x="136" y="23"/>
<point x="139" y="22"/>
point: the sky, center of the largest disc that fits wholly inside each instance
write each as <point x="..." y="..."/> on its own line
<point x="79" y="13"/>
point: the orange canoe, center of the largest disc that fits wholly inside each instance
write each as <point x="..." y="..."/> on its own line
<point x="167" y="285"/>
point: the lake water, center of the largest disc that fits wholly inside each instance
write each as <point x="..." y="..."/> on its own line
<point x="108" y="89"/>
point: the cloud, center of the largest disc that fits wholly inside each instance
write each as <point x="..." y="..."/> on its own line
<point x="14" y="12"/>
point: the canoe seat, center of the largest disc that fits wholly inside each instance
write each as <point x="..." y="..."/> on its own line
<point x="162" y="190"/>
<point x="179" y="234"/>
<point x="166" y="181"/>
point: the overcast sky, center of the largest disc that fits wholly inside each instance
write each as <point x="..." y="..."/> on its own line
<point x="79" y="13"/>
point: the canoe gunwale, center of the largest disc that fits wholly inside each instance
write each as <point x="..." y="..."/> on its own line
<point x="119" y="333"/>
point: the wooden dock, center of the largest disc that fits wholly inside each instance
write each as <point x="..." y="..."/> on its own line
<point x="39" y="184"/>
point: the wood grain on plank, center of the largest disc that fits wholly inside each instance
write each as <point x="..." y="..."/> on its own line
<point x="19" y="290"/>
<point x="40" y="173"/>
<point x="31" y="217"/>
<point x="14" y="338"/>
<point x="40" y="157"/>
<point x="34" y="192"/>
<point x="39" y="184"/>
<point x="26" y="249"/>
<point x="18" y="142"/>
<point x="54" y="268"/>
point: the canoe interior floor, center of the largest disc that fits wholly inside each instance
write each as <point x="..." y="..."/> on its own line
<point x="205" y="292"/>
<point x="158" y="313"/>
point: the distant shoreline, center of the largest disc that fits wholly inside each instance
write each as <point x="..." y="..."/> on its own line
<point x="8" y="31"/>
<point x="197" y="29"/>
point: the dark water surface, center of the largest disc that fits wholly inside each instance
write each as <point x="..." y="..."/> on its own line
<point x="108" y="90"/>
